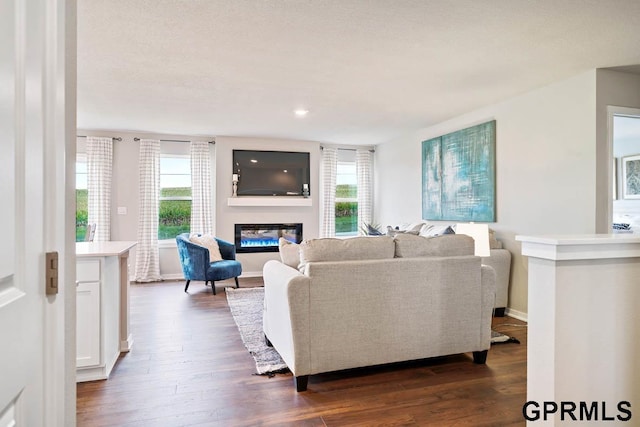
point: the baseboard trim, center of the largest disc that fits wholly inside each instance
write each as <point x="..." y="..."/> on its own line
<point x="251" y="274"/>
<point x="174" y="276"/>
<point x="179" y="276"/>
<point x="516" y="314"/>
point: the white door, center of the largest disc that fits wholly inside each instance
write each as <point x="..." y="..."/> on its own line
<point x="33" y="129"/>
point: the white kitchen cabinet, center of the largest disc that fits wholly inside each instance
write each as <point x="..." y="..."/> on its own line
<point x="102" y="307"/>
<point x="88" y="321"/>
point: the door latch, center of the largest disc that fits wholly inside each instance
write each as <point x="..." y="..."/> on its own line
<point x="51" y="285"/>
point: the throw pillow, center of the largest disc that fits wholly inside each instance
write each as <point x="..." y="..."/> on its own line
<point x="493" y="242"/>
<point x="393" y="231"/>
<point x="289" y="252"/>
<point x="209" y="242"/>
<point x="413" y="227"/>
<point x="371" y="230"/>
<point x="436" y="230"/>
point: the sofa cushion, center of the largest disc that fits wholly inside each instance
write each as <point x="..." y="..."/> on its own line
<point x="209" y="242"/>
<point x="289" y="252"/>
<point x="351" y="249"/>
<point x="410" y="246"/>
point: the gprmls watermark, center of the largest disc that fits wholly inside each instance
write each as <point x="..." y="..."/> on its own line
<point x="577" y="411"/>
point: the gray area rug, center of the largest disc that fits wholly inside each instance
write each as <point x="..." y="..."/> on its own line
<point x="246" y="309"/>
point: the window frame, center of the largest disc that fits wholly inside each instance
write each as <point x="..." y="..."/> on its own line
<point x="81" y="157"/>
<point x="171" y="242"/>
<point x="351" y="163"/>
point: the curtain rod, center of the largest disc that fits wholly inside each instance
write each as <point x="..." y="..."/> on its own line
<point x="115" y="138"/>
<point x="349" y="149"/>
<point x="173" y="140"/>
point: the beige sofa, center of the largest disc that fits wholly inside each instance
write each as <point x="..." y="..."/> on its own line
<point x="374" y="300"/>
<point x="499" y="259"/>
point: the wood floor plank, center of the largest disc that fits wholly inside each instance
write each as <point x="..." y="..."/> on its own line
<point x="189" y="367"/>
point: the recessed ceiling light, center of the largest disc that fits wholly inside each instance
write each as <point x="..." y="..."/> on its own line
<point x="254" y="161"/>
<point x="285" y="171"/>
<point x="301" y="112"/>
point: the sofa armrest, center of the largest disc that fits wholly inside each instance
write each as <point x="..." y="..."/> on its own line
<point x="488" y="300"/>
<point x="286" y="314"/>
<point x="500" y="260"/>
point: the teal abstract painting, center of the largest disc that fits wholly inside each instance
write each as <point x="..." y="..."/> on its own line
<point x="458" y="175"/>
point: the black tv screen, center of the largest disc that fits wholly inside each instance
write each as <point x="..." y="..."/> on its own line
<point x="271" y="173"/>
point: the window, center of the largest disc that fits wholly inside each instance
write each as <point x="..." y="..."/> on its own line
<point x="346" y="194"/>
<point x="82" y="213"/>
<point x="175" y="196"/>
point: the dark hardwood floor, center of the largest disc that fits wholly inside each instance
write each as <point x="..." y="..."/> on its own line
<point x="188" y="366"/>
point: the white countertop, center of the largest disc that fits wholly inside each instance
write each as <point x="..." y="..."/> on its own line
<point x="581" y="239"/>
<point x="113" y="248"/>
<point x="559" y="247"/>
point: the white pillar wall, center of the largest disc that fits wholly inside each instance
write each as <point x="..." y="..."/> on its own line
<point x="584" y="326"/>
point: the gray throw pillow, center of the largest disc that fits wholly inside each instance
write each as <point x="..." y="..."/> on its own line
<point x="493" y="242"/>
<point x="436" y="230"/>
<point x="393" y="231"/>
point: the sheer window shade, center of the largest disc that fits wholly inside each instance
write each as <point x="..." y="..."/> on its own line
<point x="364" y="171"/>
<point x="147" y="254"/>
<point x="99" y="172"/>
<point x="328" y="185"/>
<point x="201" y="204"/>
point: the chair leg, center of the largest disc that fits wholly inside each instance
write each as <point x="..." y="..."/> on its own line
<point x="237" y="285"/>
<point x="213" y="287"/>
<point x="187" y="285"/>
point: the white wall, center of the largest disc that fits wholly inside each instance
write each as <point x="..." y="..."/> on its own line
<point x="228" y="216"/>
<point x="125" y="188"/>
<point x="545" y="168"/>
<point x="552" y="175"/>
<point x="125" y="191"/>
<point x="620" y="90"/>
<point x="626" y="210"/>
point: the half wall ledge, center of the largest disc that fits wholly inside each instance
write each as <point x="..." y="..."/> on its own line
<point x="269" y="201"/>
<point x="574" y="353"/>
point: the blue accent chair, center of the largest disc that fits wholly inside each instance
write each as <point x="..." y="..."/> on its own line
<point x="196" y="265"/>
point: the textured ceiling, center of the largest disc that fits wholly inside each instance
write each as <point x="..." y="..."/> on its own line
<point x="367" y="71"/>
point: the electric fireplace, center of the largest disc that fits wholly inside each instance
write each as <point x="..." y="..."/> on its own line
<point x="264" y="237"/>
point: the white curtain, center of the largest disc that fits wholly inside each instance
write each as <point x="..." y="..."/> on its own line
<point x="328" y="172"/>
<point x="201" y="204"/>
<point x="147" y="254"/>
<point x="364" y="171"/>
<point x="99" y="170"/>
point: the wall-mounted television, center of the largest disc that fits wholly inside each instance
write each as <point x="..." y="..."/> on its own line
<point x="271" y="173"/>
